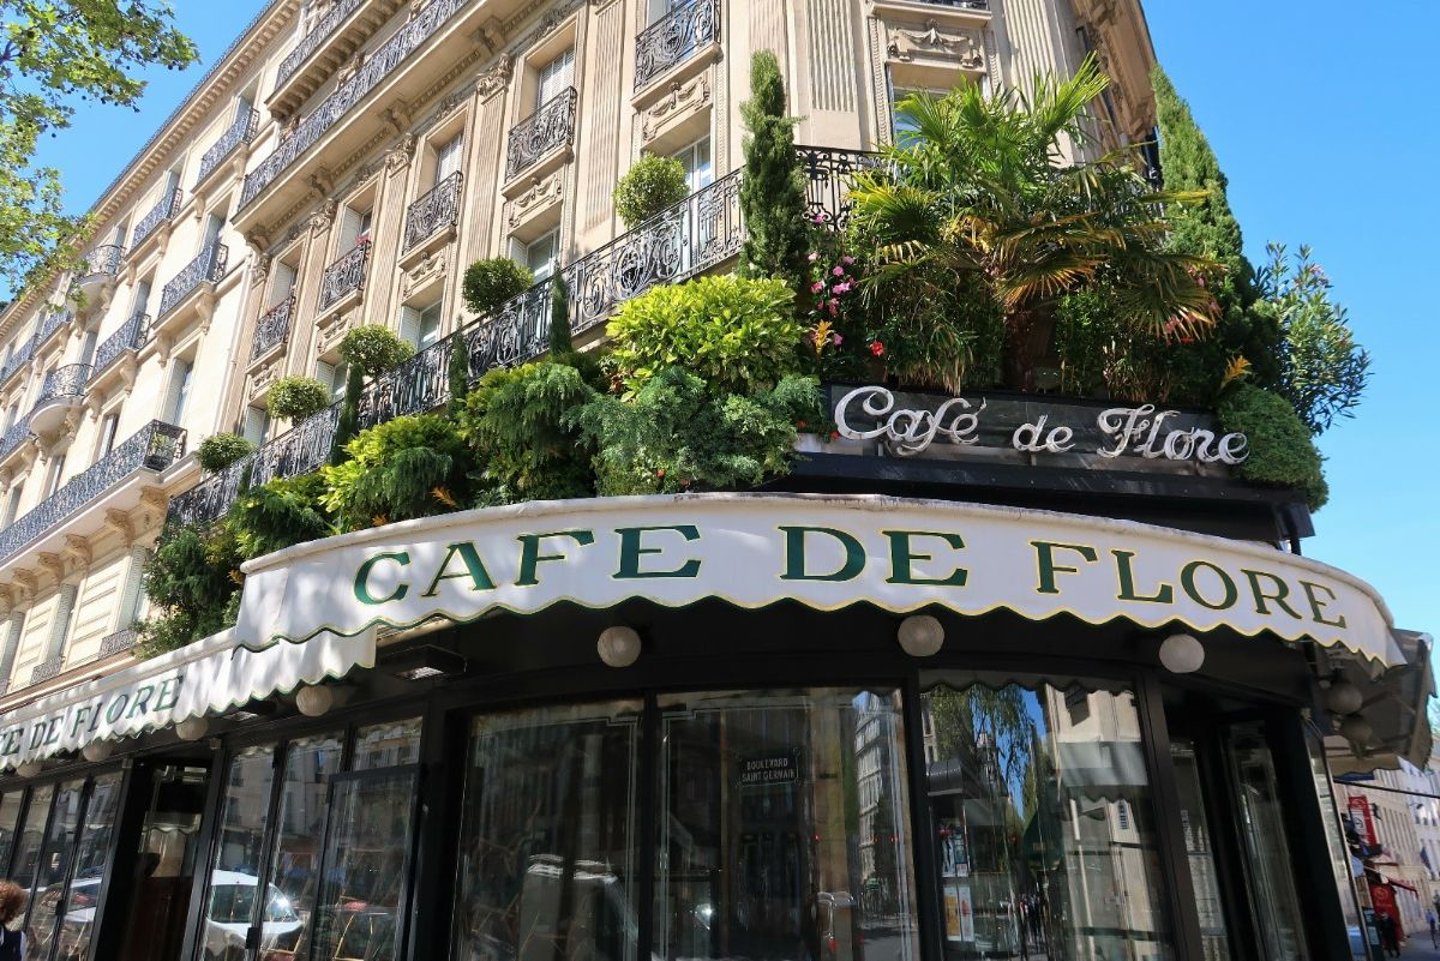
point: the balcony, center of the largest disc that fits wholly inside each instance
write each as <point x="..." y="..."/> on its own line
<point x="272" y="328"/>
<point x="344" y="277"/>
<point x="675" y="38"/>
<point x="18" y="360"/>
<point x="14" y="437"/>
<point x="62" y="392"/>
<point x="50" y="326"/>
<point x="130" y="337"/>
<point x="117" y="478"/>
<point x="702" y="232"/>
<point x="202" y="272"/>
<point x="158" y="215"/>
<point x="433" y="217"/>
<point x="546" y="132"/>
<point x="116" y="643"/>
<point x="101" y="265"/>
<point x="962" y="13"/>
<point x="276" y="182"/>
<point x="331" y="41"/>
<point x="242" y="131"/>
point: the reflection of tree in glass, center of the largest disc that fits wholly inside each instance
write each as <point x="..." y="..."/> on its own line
<point x="988" y="730"/>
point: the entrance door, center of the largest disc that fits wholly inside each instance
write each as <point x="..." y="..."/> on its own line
<point x="1236" y="828"/>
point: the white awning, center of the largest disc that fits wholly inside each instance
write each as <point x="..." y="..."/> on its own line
<point x="212" y="676"/>
<point x="824" y="551"/>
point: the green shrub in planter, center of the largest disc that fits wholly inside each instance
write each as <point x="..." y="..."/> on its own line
<point x="1282" y="451"/>
<point x="737" y="334"/>
<point x="489" y="283"/>
<point x="193" y="582"/>
<point x="219" y="451"/>
<point x="296" y="398"/>
<point x="284" y="512"/>
<point x="648" y="187"/>
<point x="408" y="467"/>
<point x="373" y="349"/>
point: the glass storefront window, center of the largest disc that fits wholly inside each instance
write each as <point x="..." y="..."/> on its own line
<point x="92" y="856"/>
<point x="27" y="848"/>
<point x="240" y="854"/>
<point x="299" y="839"/>
<point x="9" y="814"/>
<point x="1262" y="829"/>
<point x="546" y="868"/>
<point x="1043" y="820"/>
<point x="55" y="852"/>
<point x="1199" y="849"/>
<point x="387" y="745"/>
<point x="783" y="829"/>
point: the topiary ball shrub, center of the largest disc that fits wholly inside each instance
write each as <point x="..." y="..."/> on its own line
<point x="652" y="184"/>
<point x="219" y="451"/>
<point x="737" y="334"/>
<point x="1282" y="451"/>
<point x="373" y="349"/>
<point x="296" y="398"/>
<point x="489" y="283"/>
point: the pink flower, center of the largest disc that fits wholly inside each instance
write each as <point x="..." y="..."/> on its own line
<point x="841" y="288"/>
<point x="877" y="349"/>
<point x="847" y="260"/>
<point x="836" y="339"/>
<point x="813" y="256"/>
<point x="818" y="286"/>
<point x="838" y="271"/>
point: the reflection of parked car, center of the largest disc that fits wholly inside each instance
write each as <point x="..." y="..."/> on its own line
<point x="232" y="899"/>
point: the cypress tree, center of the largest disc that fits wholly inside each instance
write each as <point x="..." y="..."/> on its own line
<point x="560" y="344"/>
<point x="349" y="423"/>
<point x="1209" y="228"/>
<point x="772" y="194"/>
<point x="459" y="372"/>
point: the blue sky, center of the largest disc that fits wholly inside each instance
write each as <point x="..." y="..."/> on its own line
<point x="1323" y="117"/>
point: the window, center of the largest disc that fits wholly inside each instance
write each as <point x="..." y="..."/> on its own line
<point x="699" y="171"/>
<point x="255" y="425"/>
<point x="282" y="283"/>
<point x="901" y="125"/>
<point x="214" y="223"/>
<point x="179" y="392"/>
<point x="12" y="415"/>
<point x="12" y="506"/>
<point x="53" y="474"/>
<point x="354" y="229"/>
<point x="540" y="255"/>
<point x="335" y="376"/>
<point x="87" y="346"/>
<point x="109" y="424"/>
<point x="659" y="9"/>
<point x="554" y="78"/>
<point x="420" y="326"/>
<point x="447" y="157"/>
<point x="141" y="300"/>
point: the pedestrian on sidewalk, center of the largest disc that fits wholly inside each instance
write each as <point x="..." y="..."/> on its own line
<point x="1430" y="919"/>
<point x="1389" y="935"/>
<point x="12" y="902"/>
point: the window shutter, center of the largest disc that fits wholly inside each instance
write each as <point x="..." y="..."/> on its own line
<point x="447" y="158"/>
<point x="132" y="596"/>
<point x="284" y="283"/>
<point x="176" y="394"/>
<point x="15" y="631"/>
<point x="60" y="626"/>
<point x="257" y="421"/>
<point x="142" y="298"/>
<point x="410" y="325"/>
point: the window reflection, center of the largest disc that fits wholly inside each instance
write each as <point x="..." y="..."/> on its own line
<point x="50" y="869"/>
<point x="9" y="814"/>
<point x="92" y="855"/>
<point x="546" y="865"/>
<point x="782" y="830"/>
<point x="1040" y="801"/>
<point x="27" y="851"/>
<point x="299" y="836"/>
<point x="387" y="745"/>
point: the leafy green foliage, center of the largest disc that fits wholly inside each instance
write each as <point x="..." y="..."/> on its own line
<point x="489" y="283"/>
<point x="772" y="191"/>
<point x="279" y="514"/>
<point x="1282" y="452"/>
<point x="458" y="374"/>
<point x="652" y="184"/>
<point x="50" y="52"/>
<point x="1323" y="371"/>
<point x="515" y="422"/>
<point x="560" y="343"/>
<point x="348" y="423"/>
<point x="296" y="397"/>
<point x="738" y="335"/>
<point x="1208" y="228"/>
<point x="676" y="434"/>
<point x="193" y="582"/>
<point x="374" y="349"/>
<point x="219" y="451"/>
<point x="974" y="198"/>
<point x="398" y="470"/>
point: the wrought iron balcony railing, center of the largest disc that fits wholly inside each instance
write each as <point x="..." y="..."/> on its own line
<point x="272" y="327"/>
<point x="155" y="447"/>
<point x="675" y="38"/>
<point x="66" y="381"/>
<point x="116" y="643"/>
<point x="376" y="67"/>
<point x="104" y="259"/>
<point x="344" y="275"/>
<point x="131" y="336"/>
<point x="207" y="268"/>
<point x="18" y="359"/>
<point x="701" y="232"/>
<point x="45" y="670"/>
<point x="53" y="321"/>
<point x="550" y="127"/>
<point x="15" y="435"/>
<point x="437" y="209"/>
<point x="961" y="4"/>
<point x="311" y="42"/>
<point x="158" y="215"/>
<point x="241" y="131"/>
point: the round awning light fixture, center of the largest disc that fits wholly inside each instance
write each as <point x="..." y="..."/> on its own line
<point x="97" y="751"/>
<point x="192" y="728"/>
<point x="30" y="769"/>
<point x="1343" y="698"/>
<point x="1356" y="730"/>
<point x="619" y="646"/>
<point x="921" y="635"/>
<point x="1182" y="654"/>
<point x="313" y="701"/>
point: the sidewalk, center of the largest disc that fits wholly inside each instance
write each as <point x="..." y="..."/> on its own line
<point x="1419" y="949"/>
